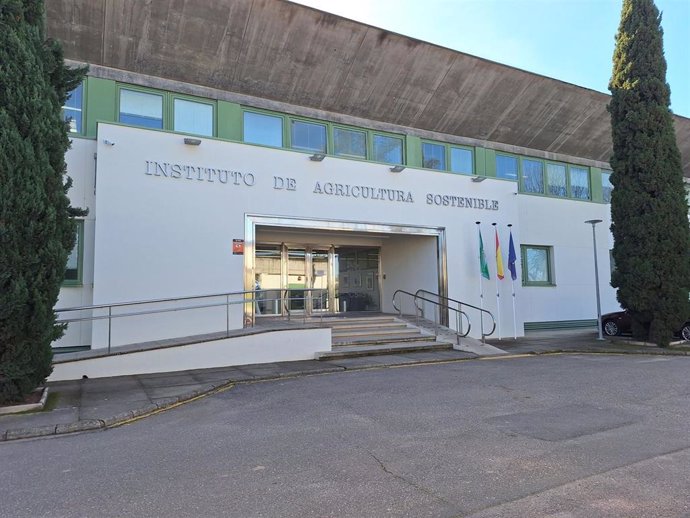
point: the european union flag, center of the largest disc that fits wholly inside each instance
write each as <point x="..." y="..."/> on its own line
<point x="512" y="258"/>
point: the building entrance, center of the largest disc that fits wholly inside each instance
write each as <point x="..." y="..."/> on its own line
<point x="304" y="279"/>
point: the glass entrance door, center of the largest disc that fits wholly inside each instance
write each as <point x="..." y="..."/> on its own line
<point x="296" y="279"/>
<point x="358" y="283"/>
<point x="319" y="281"/>
<point x="311" y="279"/>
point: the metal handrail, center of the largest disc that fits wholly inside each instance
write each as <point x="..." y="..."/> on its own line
<point x="438" y="305"/>
<point x="460" y="305"/>
<point x="253" y="298"/>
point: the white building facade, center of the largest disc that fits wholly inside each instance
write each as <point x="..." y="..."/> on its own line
<point x="196" y="191"/>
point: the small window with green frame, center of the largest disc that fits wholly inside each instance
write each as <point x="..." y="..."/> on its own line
<point x="387" y="149"/>
<point x="532" y="176"/>
<point x="141" y="108"/>
<point x="262" y="128"/>
<point x="461" y="160"/>
<point x="308" y="136"/>
<point x="606" y="186"/>
<point x="74" y="270"/>
<point x="72" y="111"/>
<point x="537" y="265"/>
<point x="433" y="156"/>
<point x="507" y="167"/>
<point x="193" y="117"/>
<point x="349" y="142"/>
<point x="579" y="182"/>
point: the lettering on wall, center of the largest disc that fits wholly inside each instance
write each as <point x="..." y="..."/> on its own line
<point x="363" y="191"/>
<point x="284" y="183"/>
<point x="199" y="173"/>
<point x="462" y="202"/>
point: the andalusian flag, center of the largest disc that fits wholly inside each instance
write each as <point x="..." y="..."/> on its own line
<point x="499" y="258"/>
<point x="483" y="266"/>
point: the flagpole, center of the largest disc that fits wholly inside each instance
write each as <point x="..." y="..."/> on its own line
<point x="498" y="296"/>
<point x="512" y="280"/>
<point x="481" y="289"/>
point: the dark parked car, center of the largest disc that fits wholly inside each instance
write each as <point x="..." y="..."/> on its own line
<point x="619" y="322"/>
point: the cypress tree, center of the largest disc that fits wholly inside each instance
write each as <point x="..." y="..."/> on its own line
<point x="37" y="231"/>
<point x="649" y="210"/>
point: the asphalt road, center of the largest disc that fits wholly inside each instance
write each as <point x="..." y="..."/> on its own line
<point x="563" y="436"/>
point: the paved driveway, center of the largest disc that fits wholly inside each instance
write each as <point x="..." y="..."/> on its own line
<point x="566" y="435"/>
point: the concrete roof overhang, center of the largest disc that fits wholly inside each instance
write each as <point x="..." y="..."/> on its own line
<point x="278" y="50"/>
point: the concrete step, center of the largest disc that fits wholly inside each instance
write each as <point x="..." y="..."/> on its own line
<point x="387" y="348"/>
<point x="379" y="340"/>
<point x="355" y="321"/>
<point x="368" y="327"/>
<point x="403" y="331"/>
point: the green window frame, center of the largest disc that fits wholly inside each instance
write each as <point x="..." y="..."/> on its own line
<point x="349" y="142"/>
<point x="392" y="155"/>
<point x="279" y="128"/>
<point x="532" y="177"/>
<point x="576" y="189"/>
<point x="73" y="110"/>
<point x="537" y="265"/>
<point x="458" y="160"/>
<point x="154" y="119"/>
<point x="307" y="135"/>
<point x="434" y="156"/>
<point x="606" y="186"/>
<point x="503" y="170"/>
<point x="74" y="269"/>
<point x="556" y="179"/>
<point x="202" y="129"/>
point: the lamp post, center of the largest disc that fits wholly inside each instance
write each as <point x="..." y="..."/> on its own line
<point x="593" y="222"/>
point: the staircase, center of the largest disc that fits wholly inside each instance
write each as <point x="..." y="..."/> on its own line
<point x="372" y="335"/>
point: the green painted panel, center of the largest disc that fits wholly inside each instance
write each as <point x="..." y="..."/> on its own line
<point x="490" y="162"/>
<point x="595" y="184"/>
<point x="413" y="151"/>
<point x="561" y="324"/>
<point x="101" y="97"/>
<point x="229" y="121"/>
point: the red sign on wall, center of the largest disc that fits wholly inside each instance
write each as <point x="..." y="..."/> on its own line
<point x="238" y="247"/>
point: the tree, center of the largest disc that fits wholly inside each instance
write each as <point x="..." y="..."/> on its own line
<point x="649" y="210"/>
<point x="37" y="231"/>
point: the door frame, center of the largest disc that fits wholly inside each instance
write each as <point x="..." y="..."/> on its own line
<point x="252" y="221"/>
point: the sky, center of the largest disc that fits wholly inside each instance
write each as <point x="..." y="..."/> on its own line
<point x="570" y="40"/>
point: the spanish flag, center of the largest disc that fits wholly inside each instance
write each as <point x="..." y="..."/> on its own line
<point x="499" y="259"/>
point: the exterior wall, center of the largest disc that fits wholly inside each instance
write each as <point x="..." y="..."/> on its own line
<point x="561" y="225"/>
<point x="288" y="345"/>
<point x="165" y="236"/>
<point x="81" y="167"/>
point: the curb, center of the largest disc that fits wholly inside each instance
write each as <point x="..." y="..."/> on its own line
<point x="171" y="402"/>
<point x="18" y="409"/>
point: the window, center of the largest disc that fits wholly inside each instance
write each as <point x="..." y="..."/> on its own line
<point x="141" y="109"/>
<point x="533" y="176"/>
<point x="579" y="182"/>
<point x="72" y="110"/>
<point x="606" y="186"/>
<point x="555" y="180"/>
<point x="308" y="136"/>
<point x="461" y="160"/>
<point x="73" y="270"/>
<point x="388" y="149"/>
<point x="263" y="129"/>
<point x="348" y="142"/>
<point x="434" y="156"/>
<point x="193" y="117"/>
<point x="536" y="265"/>
<point x="506" y="167"/>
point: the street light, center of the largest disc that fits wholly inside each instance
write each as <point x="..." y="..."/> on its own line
<point x="593" y="222"/>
